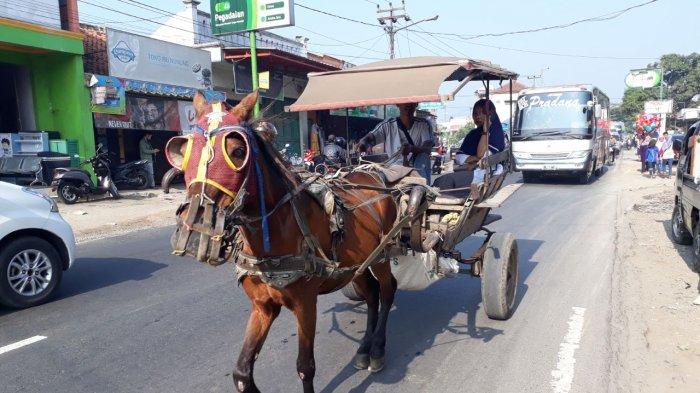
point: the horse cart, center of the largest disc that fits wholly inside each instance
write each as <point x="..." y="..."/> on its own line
<point x="432" y="222"/>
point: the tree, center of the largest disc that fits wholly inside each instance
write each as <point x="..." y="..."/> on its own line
<point x="456" y="137"/>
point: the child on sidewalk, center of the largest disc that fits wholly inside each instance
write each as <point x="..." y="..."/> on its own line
<point x="652" y="155"/>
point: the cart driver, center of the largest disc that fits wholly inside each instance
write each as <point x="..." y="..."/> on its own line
<point x="408" y="134"/>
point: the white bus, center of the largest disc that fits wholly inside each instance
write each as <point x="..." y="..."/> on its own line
<point x="561" y="129"/>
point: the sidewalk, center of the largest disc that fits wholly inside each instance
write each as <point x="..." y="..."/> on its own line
<point x="106" y="217"/>
<point x="657" y="324"/>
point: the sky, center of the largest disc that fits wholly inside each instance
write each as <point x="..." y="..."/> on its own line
<point x="599" y="52"/>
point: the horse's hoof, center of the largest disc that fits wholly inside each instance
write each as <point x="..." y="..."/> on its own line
<point x="377" y="365"/>
<point x="361" y="361"/>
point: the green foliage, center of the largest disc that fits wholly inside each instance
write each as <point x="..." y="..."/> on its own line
<point x="457" y="136"/>
<point x="681" y="82"/>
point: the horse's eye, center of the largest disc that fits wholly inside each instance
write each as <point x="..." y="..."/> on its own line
<point x="238" y="153"/>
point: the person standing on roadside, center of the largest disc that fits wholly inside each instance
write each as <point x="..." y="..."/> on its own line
<point x="652" y="156"/>
<point x="147" y="151"/>
<point x="667" y="155"/>
<point x="643" y="145"/>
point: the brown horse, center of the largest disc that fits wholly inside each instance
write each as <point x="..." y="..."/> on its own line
<point x="296" y="224"/>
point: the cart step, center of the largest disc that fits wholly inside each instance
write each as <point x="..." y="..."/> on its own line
<point x="491" y="218"/>
<point x="499" y="197"/>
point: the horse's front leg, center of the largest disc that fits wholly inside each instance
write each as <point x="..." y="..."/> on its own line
<point x="305" y="312"/>
<point x="387" y="289"/>
<point x="368" y="287"/>
<point x="261" y="318"/>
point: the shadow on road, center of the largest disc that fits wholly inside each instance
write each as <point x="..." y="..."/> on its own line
<point x="89" y="274"/>
<point x="420" y="317"/>
<point x="686" y="252"/>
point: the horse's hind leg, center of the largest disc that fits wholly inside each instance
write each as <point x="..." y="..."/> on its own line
<point x="305" y="312"/>
<point x="368" y="287"/>
<point x="387" y="289"/>
<point x="261" y="318"/>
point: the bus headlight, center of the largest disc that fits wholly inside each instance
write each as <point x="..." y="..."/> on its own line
<point x="579" y="154"/>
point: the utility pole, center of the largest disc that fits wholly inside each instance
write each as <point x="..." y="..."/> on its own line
<point x="534" y="78"/>
<point x="387" y="18"/>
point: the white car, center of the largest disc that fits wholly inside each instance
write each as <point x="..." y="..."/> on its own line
<point x="36" y="246"/>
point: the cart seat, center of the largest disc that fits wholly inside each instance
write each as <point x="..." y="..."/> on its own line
<point x="456" y="197"/>
<point x="450" y="200"/>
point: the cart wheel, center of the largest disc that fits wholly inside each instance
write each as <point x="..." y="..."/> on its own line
<point x="349" y="292"/>
<point x="499" y="276"/>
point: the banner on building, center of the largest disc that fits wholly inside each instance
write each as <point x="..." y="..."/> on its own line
<point x="646" y="78"/>
<point x="658" y="106"/>
<point x="143" y="113"/>
<point x="107" y="95"/>
<point x="188" y="118"/>
<point x="233" y="16"/>
<point x="142" y="58"/>
<point x="243" y="82"/>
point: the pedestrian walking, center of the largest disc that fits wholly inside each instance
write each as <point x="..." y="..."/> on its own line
<point x="667" y="155"/>
<point x="652" y="156"/>
<point x="147" y="151"/>
<point x="643" y="145"/>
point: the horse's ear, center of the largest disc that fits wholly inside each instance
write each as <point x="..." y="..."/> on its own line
<point x="199" y="103"/>
<point x="244" y="109"/>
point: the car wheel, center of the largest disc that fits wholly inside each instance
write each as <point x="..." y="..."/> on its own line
<point x="679" y="233"/>
<point x="67" y="193"/>
<point x="30" y="271"/>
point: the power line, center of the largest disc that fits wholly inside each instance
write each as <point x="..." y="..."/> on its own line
<point x="371" y="47"/>
<point x="443" y="42"/>
<point x="600" y="18"/>
<point x="343" y="42"/>
<point x="334" y="15"/>
<point x="560" y="54"/>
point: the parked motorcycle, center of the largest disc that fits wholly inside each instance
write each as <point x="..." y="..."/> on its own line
<point x="437" y="165"/>
<point x="130" y="175"/>
<point x="71" y="184"/>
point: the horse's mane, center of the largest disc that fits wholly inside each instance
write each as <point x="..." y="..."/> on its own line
<point x="275" y="162"/>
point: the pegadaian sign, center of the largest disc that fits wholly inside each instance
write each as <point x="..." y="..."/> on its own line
<point x="233" y="16"/>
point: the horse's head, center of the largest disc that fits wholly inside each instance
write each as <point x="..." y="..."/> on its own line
<point x="217" y="161"/>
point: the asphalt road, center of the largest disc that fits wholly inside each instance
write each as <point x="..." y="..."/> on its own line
<point x="129" y="317"/>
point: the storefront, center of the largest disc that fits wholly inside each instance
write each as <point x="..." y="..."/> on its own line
<point x="42" y="86"/>
<point x="149" y="89"/>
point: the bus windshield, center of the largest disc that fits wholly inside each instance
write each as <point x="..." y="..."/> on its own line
<point x="555" y="113"/>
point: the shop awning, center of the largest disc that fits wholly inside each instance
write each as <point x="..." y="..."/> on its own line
<point x="280" y="58"/>
<point x="413" y="79"/>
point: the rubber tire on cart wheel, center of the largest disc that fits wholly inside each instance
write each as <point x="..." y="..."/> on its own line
<point x="67" y="193"/>
<point x="499" y="276"/>
<point x="8" y="296"/>
<point x="349" y="292"/>
<point x="696" y="248"/>
<point x="679" y="233"/>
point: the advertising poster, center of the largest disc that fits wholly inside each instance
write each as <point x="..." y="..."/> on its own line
<point x="643" y="78"/>
<point x="143" y="113"/>
<point x="233" y="16"/>
<point x="107" y="94"/>
<point x="188" y="120"/>
<point x="243" y="82"/>
<point x="142" y="58"/>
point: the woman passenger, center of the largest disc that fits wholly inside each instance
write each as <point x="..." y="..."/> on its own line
<point x="475" y="147"/>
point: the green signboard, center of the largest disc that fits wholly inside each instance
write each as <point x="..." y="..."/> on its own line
<point x="234" y="16"/>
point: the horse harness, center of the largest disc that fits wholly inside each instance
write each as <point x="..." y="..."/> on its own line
<point x="218" y="239"/>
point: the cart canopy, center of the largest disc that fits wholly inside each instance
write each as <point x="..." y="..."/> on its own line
<point x="412" y="79"/>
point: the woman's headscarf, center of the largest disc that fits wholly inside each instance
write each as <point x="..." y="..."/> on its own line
<point x="496" y="133"/>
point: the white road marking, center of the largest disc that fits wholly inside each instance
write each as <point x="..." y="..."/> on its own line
<point x="20" y="344"/>
<point x="563" y="375"/>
